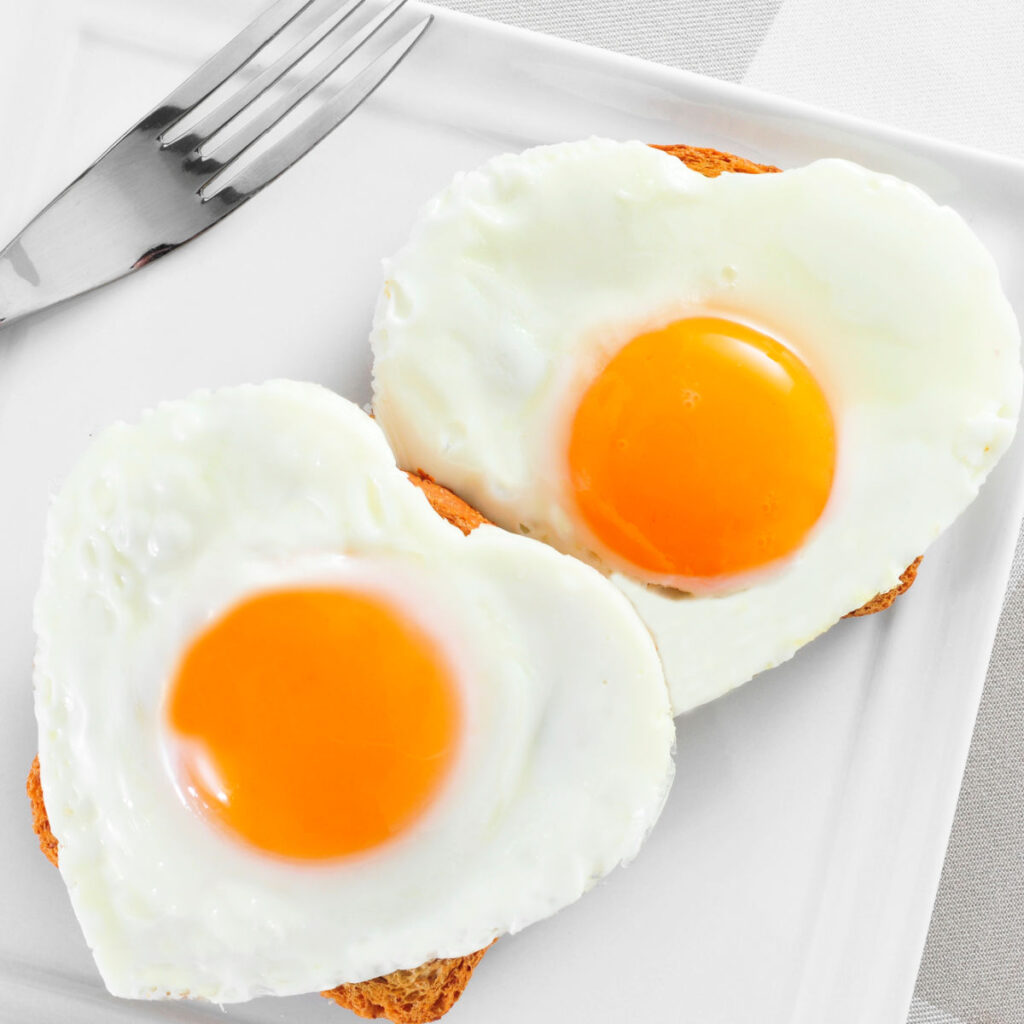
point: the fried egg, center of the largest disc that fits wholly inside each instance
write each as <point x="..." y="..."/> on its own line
<point x="295" y="730"/>
<point x="751" y="400"/>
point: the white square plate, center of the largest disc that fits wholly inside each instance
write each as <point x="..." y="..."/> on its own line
<point x="792" y="876"/>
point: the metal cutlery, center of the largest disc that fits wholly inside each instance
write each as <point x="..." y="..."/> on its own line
<point x="208" y="147"/>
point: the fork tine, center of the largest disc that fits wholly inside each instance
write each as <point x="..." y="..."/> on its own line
<point x="268" y="166"/>
<point x="225" y="112"/>
<point x="224" y="63"/>
<point x="235" y="145"/>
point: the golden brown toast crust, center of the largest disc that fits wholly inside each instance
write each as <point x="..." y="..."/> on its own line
<point x="447" y="505"/>
<point x="713" y="162"/>
<point x="882" y="601"/>
<point x="40" y="819"/>
<point x="415" y="996"/>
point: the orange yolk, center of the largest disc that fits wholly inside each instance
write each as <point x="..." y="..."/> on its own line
<point x="314" y="723"/>
<point x="702" y="451"/>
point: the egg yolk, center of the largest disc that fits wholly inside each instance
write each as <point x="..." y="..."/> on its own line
<point x="702" y="451"/>
<point x="313" y="723"/>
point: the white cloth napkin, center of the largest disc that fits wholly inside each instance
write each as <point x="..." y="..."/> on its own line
<point x="948" y="68"/>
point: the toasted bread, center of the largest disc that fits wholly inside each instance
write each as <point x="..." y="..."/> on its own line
<point x="422" y="994"/>
<point x="447" y="505"/>
<point x="426" y="993"/>
<point x="40" y="819"/>
<point x="882" y="601"/>
<point x="417" y="996"/>
<point x="711" y="162"/>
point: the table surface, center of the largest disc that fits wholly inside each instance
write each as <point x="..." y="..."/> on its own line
<point x="950" y="70"/>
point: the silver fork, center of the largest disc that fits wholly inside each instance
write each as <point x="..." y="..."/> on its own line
<point x="167" y="180"/>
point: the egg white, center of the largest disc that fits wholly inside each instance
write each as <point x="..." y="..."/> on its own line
<point x="566" y="751"/>
<point x="522" y="278"/>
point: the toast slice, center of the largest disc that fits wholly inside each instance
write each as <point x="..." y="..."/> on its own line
<point x="417" y="996"/>
<point x="711" y="162"/>
<point x="882" y="601"/>
<point x="426" y="993"/>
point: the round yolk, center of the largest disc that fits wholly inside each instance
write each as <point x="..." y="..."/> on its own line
<point x="313" y="723"/>
<point x="702" y="451"/>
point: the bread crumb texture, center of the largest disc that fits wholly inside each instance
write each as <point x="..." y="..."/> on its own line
<point x="447" y="505"/>
<point x="711" y="162"/>
<point x="422" y="994"/>
<point x="40" y="821"/>
<point x="882" y="601"/>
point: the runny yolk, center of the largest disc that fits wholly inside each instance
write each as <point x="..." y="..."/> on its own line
<point x="313" y="723"/>
<point x="702" y="451"/>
